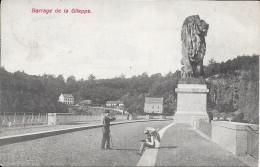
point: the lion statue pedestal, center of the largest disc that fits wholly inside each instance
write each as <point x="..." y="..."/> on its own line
<point x="191" y="103"/>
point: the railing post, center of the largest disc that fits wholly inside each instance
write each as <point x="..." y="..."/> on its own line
<point x="3" y="123"/>
<point x="31" y="120"/>
<point x="23" y="118"/>
<point x="46" y="118"/>
<point x="38" y="119"/>
<point x="14" y="118"/>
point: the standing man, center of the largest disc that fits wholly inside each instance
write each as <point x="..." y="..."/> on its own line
<point x="106" y="130"/>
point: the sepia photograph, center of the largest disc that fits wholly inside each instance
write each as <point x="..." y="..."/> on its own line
<point x="129" y="83"/>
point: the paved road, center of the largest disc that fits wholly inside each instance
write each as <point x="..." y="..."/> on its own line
<point x="182" y="146"/>
<point x="80" y="148"/>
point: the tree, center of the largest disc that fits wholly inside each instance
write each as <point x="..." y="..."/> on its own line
<point x="71" y="79"/>
<point x="61" y="78"/>
<point x="91" y="77"/>
<point x="238" y="117"/>
<point x="145" y="74"/>
<point x="170" y="105"/>
<point x="122" y="76"/>
<point x="135" y="104"/>
<point x="211" y="61"/>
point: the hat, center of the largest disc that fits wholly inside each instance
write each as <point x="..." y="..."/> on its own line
<point x="146" y="132"/>
<point x="106" y="111"/>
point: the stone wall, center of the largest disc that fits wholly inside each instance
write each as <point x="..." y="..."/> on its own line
<point x="233" y="136"/>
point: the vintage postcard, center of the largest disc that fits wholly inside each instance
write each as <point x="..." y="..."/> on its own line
<point x="129" y="83"/>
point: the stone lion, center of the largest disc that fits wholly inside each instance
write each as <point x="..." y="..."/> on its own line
<point x="193" y="35"/>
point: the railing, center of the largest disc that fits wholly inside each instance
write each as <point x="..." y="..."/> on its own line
<point x="22" y="119"/>
<point x="253" y="142"/>
<point x="8" y="120"/>
<point x="154" y="117"/>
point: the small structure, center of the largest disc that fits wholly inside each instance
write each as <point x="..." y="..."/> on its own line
<point x="66" y="99"/>
<point x="86" y="103"/>
<point x="153" y="105"/>
<point x="114" y="103"/>
<point x="120" y="103"/>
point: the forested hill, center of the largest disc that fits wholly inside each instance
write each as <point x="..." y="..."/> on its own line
<point x="26" y="93"/>
<point x="234" y="88"/>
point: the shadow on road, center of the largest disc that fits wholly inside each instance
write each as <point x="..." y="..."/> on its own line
<point x="130" y="149"/>
<point x="125" y="149"/>
<point x="168" y="147"/>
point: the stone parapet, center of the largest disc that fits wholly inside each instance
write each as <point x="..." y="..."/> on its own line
<point x="232" y="135"/>
<point x="235" y="125"/>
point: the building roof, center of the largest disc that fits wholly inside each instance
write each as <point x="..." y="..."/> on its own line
<point x="67" y="95"/>
<point x="153" y="100"/>
<point x="114" y="102"/>
<point x="87" y="101"/>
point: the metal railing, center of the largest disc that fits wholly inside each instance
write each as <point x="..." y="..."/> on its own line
<point x="22" y="119"/>
<point x="8" y="120"/>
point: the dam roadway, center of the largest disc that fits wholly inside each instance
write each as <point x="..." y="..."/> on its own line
<point x="180" y="146"/>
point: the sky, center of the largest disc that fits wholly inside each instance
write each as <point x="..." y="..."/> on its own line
<point x="119" y="37"/>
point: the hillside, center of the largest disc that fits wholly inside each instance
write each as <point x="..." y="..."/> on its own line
<point x="236" y="92"/>
<point x="234" y="96"/>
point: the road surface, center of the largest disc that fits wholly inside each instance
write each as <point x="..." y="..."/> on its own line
<point x="82" y="148"/>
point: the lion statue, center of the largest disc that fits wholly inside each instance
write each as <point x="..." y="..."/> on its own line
<point x="193" y="35"/>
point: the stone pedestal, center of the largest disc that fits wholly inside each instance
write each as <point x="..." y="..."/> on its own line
<point x="191" y="103"/>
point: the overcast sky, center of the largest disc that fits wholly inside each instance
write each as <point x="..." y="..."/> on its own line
<point x="120" y="37"/>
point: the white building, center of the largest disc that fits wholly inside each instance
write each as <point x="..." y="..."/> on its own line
<point x="66" y="99"/>
<point x="153" y="105"/>
<point x="114" y="103"/>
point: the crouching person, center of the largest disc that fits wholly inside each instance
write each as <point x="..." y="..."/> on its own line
<point x="148" y="142"/>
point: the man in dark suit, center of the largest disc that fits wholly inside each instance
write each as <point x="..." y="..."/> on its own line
<point x="106" y="130"/>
